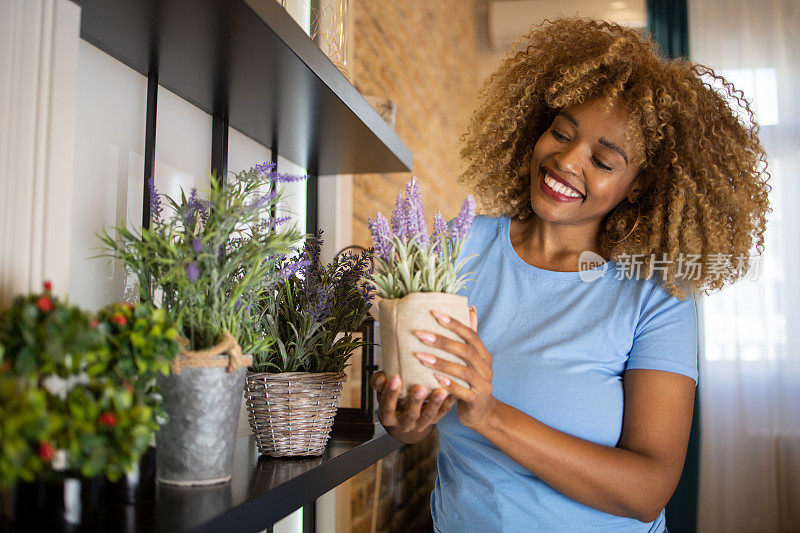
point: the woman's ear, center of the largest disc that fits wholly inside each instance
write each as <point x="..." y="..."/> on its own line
<point x="635" y="189"/>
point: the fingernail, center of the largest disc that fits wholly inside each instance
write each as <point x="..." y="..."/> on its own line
<point x="439" y="396"/>
<point x="441" y="317"/>
<point x="425" y="337"/>
<point x="420" y="393"/>
<point x="425" y="358"/>
<point x="394" y="384"/>
<point x="443" y="380"/>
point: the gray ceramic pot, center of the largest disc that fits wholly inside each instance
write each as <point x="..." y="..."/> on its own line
<point x="196" y="446"/>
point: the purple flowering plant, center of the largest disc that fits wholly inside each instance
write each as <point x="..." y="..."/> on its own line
<point x="316" y="311"/>
<point x="409" y="259"/>
<point x="206" y="258"/>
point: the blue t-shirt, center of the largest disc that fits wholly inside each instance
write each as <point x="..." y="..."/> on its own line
<point x="560" y="347"/>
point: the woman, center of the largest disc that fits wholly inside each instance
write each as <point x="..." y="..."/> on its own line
<point x="582" y="380"/>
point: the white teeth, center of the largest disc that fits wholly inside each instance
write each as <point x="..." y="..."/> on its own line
<point x="559" y="187"/>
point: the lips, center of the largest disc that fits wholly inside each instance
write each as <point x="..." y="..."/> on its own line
<point x="561" y="180"/>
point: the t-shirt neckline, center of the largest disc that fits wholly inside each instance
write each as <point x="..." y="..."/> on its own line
<point x="517" y="261"/>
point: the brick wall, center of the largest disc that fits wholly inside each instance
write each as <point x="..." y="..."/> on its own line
<point x="423" y="55"/>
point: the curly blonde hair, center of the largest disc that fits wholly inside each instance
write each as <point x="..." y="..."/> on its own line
<point x="703" y="169"/>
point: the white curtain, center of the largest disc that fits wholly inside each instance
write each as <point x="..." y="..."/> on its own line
<point x="750" y="362"/>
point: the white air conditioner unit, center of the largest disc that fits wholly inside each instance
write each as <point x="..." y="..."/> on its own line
<point x="510" y="19"/>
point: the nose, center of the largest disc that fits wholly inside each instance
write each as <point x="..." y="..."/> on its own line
<point x="568" y="159"/>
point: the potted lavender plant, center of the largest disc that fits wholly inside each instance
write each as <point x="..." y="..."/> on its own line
<point x="204" y="262"/>
<point x="416" y="273"/>
<point x="294" y="385"/>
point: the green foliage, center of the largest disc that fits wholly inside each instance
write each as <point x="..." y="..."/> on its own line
<point x="142" y="344"/>
<point x="313" y="317"/>
<point x="39" y="334"/>
<point x="207" y="260"/>
<point x="420" y="268"/>
<point x="77" y="393"/>
<point x="24" y="423"/>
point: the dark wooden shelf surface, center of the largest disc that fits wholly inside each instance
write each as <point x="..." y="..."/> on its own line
<point x="262" y="491"/>
<point x="250" y="63"/>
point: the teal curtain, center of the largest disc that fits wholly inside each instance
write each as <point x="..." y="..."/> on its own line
<point x="668" y="22"/>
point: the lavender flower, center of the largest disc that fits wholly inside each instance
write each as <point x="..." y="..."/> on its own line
<point x="464" y="219"/>
<point x="381" y="237"/>
<point x="354" y="273"/>
<point x="193" y="209"/>
<point x="414" y="213"/>
<point x="319" y="298"/>
<point x="155" y="200"/>
<point x="399" y="219"/>
<point x="290" y="269"/>
<point x="273" y="222"/>
<point x="290" y="178"/>
<point x="199" y="206"/>
<point x="439" y="236"/>
<point x="267" y="169"/>
<point x="197" y="245"/>
<point x="312" y="250"/>
<point x="192" y="271"/>
<point x="264" y="200"/>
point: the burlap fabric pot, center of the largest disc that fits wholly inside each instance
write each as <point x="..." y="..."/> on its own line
<point x="400" y="318"/>
<point x="291" y="413"/>
<point x="202" y="397"/>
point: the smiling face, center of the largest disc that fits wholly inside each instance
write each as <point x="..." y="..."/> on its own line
<point x="583" y="165"/>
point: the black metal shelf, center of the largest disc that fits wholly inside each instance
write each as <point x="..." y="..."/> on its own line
<point x="250" y="64"/>
<point x="262" y="491"/>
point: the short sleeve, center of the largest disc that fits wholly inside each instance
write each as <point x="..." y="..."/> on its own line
<point x="666" y="335"/>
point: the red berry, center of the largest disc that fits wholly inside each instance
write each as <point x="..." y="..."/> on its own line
<point x="119" y="320"/>
<point x="94" y="323"/>
<point x="6" y="366"/>
<point x="44" y="303"/>
<point x="46" y="451"/>
<point x="108" y="419"/>
<point x="48" y="286"/>
<point x="129" y="387"/>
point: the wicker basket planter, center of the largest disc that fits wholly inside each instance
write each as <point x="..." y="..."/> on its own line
<point x="291" y="413"/>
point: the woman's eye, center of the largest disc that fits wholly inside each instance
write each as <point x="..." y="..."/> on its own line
<point x="600" y="164"/>
<point x="558" y="136"/>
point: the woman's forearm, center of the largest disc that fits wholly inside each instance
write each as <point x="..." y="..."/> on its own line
<point x="614" y="480"/>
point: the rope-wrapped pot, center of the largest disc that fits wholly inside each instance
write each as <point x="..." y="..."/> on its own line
<point x="291" y="413"/>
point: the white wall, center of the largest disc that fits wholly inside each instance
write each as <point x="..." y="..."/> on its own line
<point x="109" y="165"/>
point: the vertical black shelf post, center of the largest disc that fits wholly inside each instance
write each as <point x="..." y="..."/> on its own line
<point x="312" y="193"/>
<point x="219" y="148"/>
<point x="310" y="517"/>
<point x="149" y="146"/>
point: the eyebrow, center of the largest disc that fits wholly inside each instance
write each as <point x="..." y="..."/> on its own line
<point x="604" y="142"/>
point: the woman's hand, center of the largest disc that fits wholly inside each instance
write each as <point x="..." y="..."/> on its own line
<point x="411" y="419"/>
<point x="477" y="402"/>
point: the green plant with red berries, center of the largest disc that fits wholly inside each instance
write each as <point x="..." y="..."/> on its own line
<point x="25" y="431"/>
<point x="142" y="343"/>
<point x="67" y="399"/>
